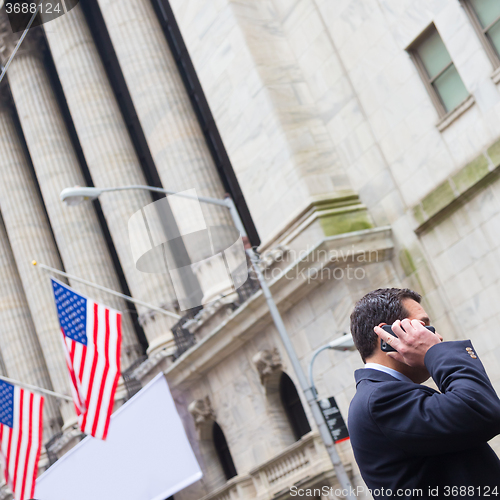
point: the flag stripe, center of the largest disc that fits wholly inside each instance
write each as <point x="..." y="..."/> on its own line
<point x="19" y="438"/>
<point x="117" y="375"/>
<point x="99" y="370"/>
<point x="39" y="448"/>
<point x="104" y="375"/>
<point x="76" y="396"/>
<point x="22" y="445"/>
<point x="94" y="365"/>
<point x="72" y="352"/>
<point x="108" y="385"/>
<point x="30" y="435"/>
<point x="82" y="362"/>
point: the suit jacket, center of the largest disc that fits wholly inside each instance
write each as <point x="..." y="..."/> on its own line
<point x="409" y="436"/>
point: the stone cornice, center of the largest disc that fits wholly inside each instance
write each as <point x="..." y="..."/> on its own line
<point x="305" y="216"/>
<point x="458" y="188"/>
<point x="293" y="282"/>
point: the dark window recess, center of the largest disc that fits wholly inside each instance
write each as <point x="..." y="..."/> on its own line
<point x="293" y="407"/>
<point x="204" y="115"/>
<point x="63" y="106"/>
<point x="223" y="452"/>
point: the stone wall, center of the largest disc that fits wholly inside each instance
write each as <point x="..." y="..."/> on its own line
<point x="270" y="67"/>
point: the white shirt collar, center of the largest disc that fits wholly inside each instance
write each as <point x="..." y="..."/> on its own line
<point x="390" y="371"/>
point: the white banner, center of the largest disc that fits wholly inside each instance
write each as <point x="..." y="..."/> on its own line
<point x="146" y="456"/>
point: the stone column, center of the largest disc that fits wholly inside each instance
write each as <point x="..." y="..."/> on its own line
<point x="172" y="131"/>
<point x="21" y="352"/>
<point x="110" y="156"/>
<point x="31" y="238"/>
<point x="76" y="229"/>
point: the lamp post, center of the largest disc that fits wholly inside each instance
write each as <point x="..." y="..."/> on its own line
<point x="76" y="195"/>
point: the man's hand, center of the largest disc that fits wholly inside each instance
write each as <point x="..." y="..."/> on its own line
<point x="413" y="342"/>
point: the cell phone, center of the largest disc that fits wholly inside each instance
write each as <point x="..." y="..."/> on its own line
<point x="386" y="347"/>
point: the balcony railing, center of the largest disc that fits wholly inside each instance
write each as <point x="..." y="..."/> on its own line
<point x="305" y="463"/>
<point x="132" y="384"/>
<point x="248" y="288"/>
<point x="184" y="339"/>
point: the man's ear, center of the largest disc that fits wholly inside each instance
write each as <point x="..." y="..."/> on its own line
<point x="382" y="324"/>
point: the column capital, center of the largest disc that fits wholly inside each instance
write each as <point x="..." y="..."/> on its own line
<point x="201" y="410"/>
<point x="269" y="365"/>
<point x="204" y="417"/>
<point x="32" y="44"/>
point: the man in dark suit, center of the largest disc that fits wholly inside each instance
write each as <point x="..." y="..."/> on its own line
<point x="409" y="438"/>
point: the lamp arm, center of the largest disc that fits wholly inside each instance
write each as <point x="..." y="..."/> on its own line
<point x="311" y="364"/>
<point x="204" y="199"/>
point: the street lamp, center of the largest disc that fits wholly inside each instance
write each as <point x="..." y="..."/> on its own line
<point x="76" y="195"/>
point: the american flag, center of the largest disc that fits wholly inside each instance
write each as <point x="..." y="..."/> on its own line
<point x="20" y="438"/>
<point x="92" y="339"/>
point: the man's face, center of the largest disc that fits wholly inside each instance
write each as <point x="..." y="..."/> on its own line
<point x="418" y="374"/>
<point x="416" y="311"/>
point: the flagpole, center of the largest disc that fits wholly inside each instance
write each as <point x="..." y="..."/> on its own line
<point x="108" y="290"/>
<point x="36" y="389"/>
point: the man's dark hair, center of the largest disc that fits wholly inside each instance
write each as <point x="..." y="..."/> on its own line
<point x="384" y="305"/>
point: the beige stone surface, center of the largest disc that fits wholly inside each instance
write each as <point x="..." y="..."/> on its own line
<point x="110" y="157"/>
<point x="76" y="229"/>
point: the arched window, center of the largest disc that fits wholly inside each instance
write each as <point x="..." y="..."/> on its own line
<point x="223" y="452"/>
<point x="293" y="407"/>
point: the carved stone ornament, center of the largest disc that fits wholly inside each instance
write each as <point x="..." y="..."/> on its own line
<point x="201" y="411"/>
<point x="267" y="363"/>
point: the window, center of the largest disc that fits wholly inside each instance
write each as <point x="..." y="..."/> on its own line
<point x="437" y="70"/>
<point x="293" y="407"/>
<point x="222" y="449"/>
<point x="485" y="17"/>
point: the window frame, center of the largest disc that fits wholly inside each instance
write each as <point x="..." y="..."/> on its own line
<point x="489" y="48"/>
<point x="417" y="61"/>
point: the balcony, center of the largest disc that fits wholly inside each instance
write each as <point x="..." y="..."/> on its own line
<point x="185" y="339"/>
<point x="305" y="464"/>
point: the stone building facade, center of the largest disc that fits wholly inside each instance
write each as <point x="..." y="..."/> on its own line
<point x="361" y="139"/>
